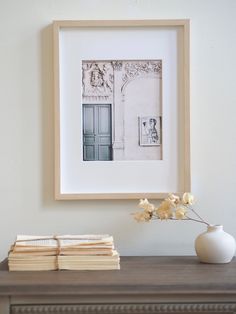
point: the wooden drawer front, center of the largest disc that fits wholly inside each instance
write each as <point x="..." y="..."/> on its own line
<point x="207" y="308"/>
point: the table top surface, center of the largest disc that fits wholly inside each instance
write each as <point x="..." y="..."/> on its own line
<point x="138" y="275"/>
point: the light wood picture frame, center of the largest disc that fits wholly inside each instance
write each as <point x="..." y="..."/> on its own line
<point x="138" y="42"/>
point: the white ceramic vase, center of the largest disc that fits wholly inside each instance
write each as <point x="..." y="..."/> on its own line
<point x="215" y="245"/>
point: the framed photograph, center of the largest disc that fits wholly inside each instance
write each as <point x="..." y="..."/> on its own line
<point x="121" y="109"/>
<point x="150" y="131"/>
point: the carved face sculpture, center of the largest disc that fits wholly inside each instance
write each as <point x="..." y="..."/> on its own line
<point x="96" y="78"/>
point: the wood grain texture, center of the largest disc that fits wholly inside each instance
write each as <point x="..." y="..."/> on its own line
<point x="144" y="285"/>
<point x="4" y="305"/>
<point x="120" y="23"/>
<point x="139" y="276"/>
<point x="179" y="24"/>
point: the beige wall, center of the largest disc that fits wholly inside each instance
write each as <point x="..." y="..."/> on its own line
<point x="26" y="124"/>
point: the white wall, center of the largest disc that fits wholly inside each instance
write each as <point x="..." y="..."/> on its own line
<point x="26" y="124"/>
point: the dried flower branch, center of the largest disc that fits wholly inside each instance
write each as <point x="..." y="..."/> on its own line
<point x="172" y="208"/>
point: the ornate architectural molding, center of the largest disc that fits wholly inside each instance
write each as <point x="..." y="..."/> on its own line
<point x="117" y="65"/>
<point x="228" y="308"/>
<point x="97" y="79"/>
<point x="135" y="69"/>
<point x="98" y="76"/>
<point x="95" y="98"/>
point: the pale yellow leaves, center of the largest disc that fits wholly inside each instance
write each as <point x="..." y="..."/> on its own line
<point x="180" y="213"/>
<point x="147" y="212"/>
<point x="188" y="199"/>
<point x="172" y="208"/>
<point x="173" y="199"/>
<point x="142" y="216"/>
<point x="148" y="207"/>
<point x="164" y="211"/>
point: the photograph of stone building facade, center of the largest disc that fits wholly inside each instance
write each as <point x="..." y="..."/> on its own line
<point x="122" y="110"/>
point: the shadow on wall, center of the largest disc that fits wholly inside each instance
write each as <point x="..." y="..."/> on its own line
<point x="47" y="116"/>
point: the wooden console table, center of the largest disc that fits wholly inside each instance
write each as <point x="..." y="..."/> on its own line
<point x="144" y="285"/>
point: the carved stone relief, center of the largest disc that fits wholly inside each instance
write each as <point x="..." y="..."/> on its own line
<point x="98" y="76"/>
<point x="135" y="69"/>
<point x="97" y="79"/>
<point x="117" y="65"/>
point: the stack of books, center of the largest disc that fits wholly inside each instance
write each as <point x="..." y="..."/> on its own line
<point x="77" y="252"/>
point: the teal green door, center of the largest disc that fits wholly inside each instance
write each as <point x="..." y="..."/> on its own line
<point x="97" y="141"/>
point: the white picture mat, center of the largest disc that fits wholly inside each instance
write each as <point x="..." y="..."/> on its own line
<point x="78" y="176"/>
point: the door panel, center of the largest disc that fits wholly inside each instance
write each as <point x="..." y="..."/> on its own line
<point x="89" y="115"/>
<point x="97" y="132"/>
<point x="104" y="120"/>
<point x="104" y="152"/>
<point x="89" y="152"/>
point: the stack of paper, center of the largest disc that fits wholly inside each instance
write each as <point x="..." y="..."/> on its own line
<point x="77" y="252"/>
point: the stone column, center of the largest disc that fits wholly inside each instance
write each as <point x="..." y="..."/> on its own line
<point x="118" y="113"/>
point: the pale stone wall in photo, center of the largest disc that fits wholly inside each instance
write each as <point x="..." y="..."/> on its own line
<point x="142" y="99"/>
<point x="133" y="88"/>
